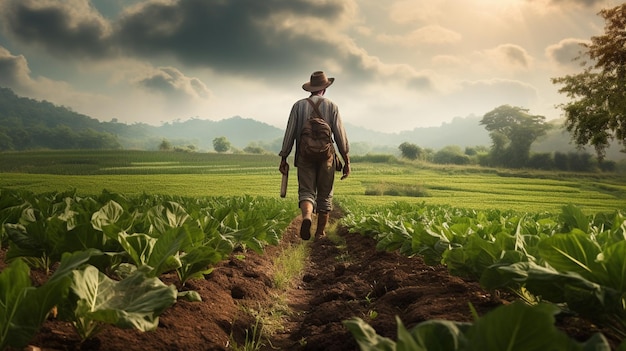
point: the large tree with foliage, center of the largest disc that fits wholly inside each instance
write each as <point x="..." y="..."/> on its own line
<point x="597" y="113"/>
<point x="512" y="131"/>
<point x="410" y="151"/>
<point x="221" y="144"/>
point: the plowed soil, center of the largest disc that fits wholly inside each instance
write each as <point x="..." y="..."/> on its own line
<point x="340" y="281"/>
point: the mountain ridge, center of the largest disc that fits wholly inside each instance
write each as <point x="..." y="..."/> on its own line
<point x="21" y="117"/>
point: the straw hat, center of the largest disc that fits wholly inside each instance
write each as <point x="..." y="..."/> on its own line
<point x="318" y="82"/>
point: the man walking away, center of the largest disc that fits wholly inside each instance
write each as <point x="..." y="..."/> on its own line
<point x="315" y="161"/>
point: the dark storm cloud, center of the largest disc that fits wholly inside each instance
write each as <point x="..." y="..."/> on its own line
<point x="238" y="36"/>
<point x="60" y="27"/>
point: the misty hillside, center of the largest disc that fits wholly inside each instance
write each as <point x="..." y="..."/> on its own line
<point x="30" y="124"/>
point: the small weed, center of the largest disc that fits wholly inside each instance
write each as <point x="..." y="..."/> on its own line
<point x="371" y="314"/>
<point x="253" y="340"/>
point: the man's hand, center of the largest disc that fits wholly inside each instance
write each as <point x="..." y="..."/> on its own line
<point x="284" y="166"/>
<point x="346" y="171"/>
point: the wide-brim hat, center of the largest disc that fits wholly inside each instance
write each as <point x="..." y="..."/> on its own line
<point x="317" y="82"/>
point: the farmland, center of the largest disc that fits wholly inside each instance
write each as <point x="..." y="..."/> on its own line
<point x="401" y="229"/>
<point x="195" y="174"/>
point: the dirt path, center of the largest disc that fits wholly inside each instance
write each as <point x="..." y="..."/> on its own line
<point x="351" y="279"/>
<point x="341" y="281"/>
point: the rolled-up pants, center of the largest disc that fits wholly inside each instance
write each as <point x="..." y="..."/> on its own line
<point x="315" y="183"/>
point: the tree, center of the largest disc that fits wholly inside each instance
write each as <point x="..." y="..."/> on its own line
<point x="410" y="151"/>
<point x="597" y="113"/>
<point x="165" y="145"/>
<point x="451" y="154"/>
<point x="221" y="144"/>
<point x="512" y="131"/>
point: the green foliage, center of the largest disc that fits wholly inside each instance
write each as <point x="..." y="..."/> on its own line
<point x="569" y="259"/>
<point x="134" y="302"/>
<point x="375" y="158"/>
<point x="24" y="308"/>
<point x="221" y="144"/>
<point x="512" y="131"/>
<point x="143" y="237"/>
<point x="451" y="155"/>
<point x="595" y="116"/>
<point x="510" y="327"/>
<point x="29" y="124"/>
<point x="410" y="151"/>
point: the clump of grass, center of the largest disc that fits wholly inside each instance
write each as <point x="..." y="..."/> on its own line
<point x="289" y="265"/>
<point x="393" y="189"/>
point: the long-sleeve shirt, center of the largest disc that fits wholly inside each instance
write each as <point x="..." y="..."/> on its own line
<point x="300" y="112"/>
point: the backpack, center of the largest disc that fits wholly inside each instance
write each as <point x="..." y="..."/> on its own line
<point x="316" y="142"/>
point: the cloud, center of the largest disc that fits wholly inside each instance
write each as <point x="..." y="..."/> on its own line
<point x="510" y="55"/>
<point x="171" y="82"/>
<point x="432" y="34"/>
<point x="270" y="39"/>
<point x="565" y="51"/>
<point x="68" y="28"/>
<point x="14" y="71"/>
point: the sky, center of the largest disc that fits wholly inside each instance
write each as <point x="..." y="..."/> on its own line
<point x="398" y="64"/>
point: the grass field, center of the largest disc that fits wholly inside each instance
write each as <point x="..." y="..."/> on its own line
<point x="209" y="174"/>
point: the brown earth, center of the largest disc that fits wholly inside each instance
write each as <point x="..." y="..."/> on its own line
<point x="339" y="282"/>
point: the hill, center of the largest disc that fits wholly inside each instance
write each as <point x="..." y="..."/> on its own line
<point x="30" y="124"/>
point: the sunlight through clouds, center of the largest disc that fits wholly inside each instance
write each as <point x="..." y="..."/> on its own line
<point x="424" y="61"/>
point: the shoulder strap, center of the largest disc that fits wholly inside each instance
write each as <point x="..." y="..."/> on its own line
<point x="315" y="105"/>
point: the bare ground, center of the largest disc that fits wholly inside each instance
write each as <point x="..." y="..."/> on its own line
<point x="339" y="282"/>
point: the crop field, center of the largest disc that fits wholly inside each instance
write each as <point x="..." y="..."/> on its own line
<point x="165" y="232"/>
<point x="209" y="174"/>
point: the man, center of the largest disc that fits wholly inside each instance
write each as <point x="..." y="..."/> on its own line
<point x="315" y="178"/>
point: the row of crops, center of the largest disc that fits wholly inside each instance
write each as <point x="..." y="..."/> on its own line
<point x="566" y="263"/>
<point x="88" y="241"/>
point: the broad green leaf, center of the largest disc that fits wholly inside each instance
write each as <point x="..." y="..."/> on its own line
<point x="574" y="252"/>
<point x="473" y="258"/>
<point x="366" y="336"/>
<point x="138" y="246"/>
<point x="197" y="262"/>
<point x="573" y="218"/>
<point x="109" y="214"/>
<point x="164" y="256"/>
<point x="14" y="283"/>
<point x="614" y="259"/>
<point x="438" y="335"/>
<point x="581" y="295"/>
<point x="517" y="327"/>
<point x="24" y="308"/>
<point x="134" y="302"/>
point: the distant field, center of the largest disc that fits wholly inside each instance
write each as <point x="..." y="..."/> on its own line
<point x="209" y="174"/>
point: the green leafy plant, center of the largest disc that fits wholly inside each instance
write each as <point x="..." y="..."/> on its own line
<point x="514" y="327"/>
<point x="23" y="307"/>
<point x="134" y="302"/>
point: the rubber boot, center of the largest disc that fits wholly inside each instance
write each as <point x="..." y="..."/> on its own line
<point x="322" y="220"/>
<point x="305" y="228"/>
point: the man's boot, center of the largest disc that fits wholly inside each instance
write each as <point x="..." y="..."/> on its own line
<point x="305" y="228"/>
<point x="322" y="220"/>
